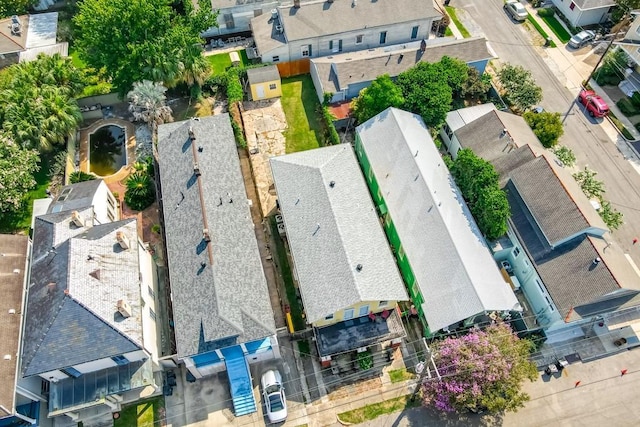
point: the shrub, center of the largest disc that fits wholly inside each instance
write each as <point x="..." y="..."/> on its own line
<point x="565" y="155"/>
<point x="237" y="132"/>
<point x="140" y="192"/>
<point x="79" y="176"/>
<point x="365" y="360"/>
<point x="233" y="86"/>
<point x="627" y="107"/>
<point x="328" y="119"/>
<point x="155" y="228"/>
<point x="635" y="99"/>
<point x="546" y="12"/>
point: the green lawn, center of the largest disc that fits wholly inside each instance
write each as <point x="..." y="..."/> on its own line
<point x="148" y="413"/>
<point x="557" y="28"/>
<point x="300" y="104"/>
<point x="219" y="63"/>
<point x="21" y="221"/>
<point x="373" y="411"/>
<point x="398" y="375"/>
<point x="451" y="11"/>
<point x="287" y="277"/>
<point x="542" y="32"/>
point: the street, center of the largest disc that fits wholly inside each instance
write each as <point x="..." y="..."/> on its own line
<point x="591" y="145"/>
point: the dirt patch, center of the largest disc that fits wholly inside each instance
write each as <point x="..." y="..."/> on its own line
<point x="264" y="125"/>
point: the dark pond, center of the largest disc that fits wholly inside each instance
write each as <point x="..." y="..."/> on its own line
<point x="107" y="153"/>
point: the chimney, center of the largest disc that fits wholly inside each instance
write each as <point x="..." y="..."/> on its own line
<point x="77" y="219"/>
<point x="205" y="235"/>
<point x="123" y="308"/>
<point x="192" y="134"/>
<point x="296" y="4"/>
<point x="123" y="240"/>
<point x="196" y="168"/>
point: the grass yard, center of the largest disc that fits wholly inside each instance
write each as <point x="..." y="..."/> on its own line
<point x="538" y="28"/>
<point x="147" y="413"/>
<point x="373" y="411"/>
<point x="451" y="11"/>
<point x="220" y="62"/>
<point x="398" y="375"/>
<point x="300" y="104"/>
<point x="21" y="221"/>
<point x="287" y="277"/>
<point x="557" y="28"/>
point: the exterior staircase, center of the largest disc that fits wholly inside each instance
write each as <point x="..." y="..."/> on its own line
<point x="241" y="386"/>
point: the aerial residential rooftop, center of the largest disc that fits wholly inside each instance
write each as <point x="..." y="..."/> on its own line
<point x="340" y="70"/>
<point x="449" y="257"/>
<point x="78" y="273"/>
<point x="340" y="252"/>
<point x="13" y="262"/>
<point x="217" y="282"/>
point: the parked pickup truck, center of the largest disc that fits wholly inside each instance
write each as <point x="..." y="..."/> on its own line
<point x="594" y="104"/>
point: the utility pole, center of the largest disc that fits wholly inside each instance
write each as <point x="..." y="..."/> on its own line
<point x="615" y="30"/>
<point x="422" y="369"/>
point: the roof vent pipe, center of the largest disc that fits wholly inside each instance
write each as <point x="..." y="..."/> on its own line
<point x="332" y="184"/>
<point x="359" y="267"/>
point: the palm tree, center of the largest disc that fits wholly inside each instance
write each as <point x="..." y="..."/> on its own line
<point x="147" y="103"/>
<point x="140" y="191"/>
<point x="195" y="67"/>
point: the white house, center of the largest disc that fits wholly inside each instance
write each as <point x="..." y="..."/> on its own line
<point x="585" y="12"/>
<point x="234" y="16"/>
<point x="90" y="341"/>
<point x="321" y="28"/>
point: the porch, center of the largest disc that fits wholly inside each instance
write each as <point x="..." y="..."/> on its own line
<point x="360" y="332"/>
<point x="72" y="394"/>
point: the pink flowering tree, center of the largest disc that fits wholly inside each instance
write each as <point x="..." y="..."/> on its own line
<point x="483" y="370"/>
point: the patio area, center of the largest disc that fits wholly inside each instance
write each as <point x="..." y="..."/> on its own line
<point x="359" y="332"/>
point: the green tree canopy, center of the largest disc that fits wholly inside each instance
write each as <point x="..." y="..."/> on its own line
<point x="476" y="86"/>
<point x="140" y="191"/>
<point x="17" y="167"/>
<point x="483" y="370"/>
<point x="479" y="185"/>
<point x="587" y="181"/>
<point x="547" y="126"/>
<point x="519" y="87"/>
<point x="382" y="94"/>
<point x="15" y="7"/>
<point x="38" y="109"/>
<point x="428" y="88"/>
<point x="134" y="40"/>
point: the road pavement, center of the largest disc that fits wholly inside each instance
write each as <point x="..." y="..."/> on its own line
<point x="603" y="397"/>
<point x="560" y="76"/>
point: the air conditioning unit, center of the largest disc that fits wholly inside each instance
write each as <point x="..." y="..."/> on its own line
<point x="124" y="308"/>
<point x="77" y="219"/>
<point x="123" y="240"/>
<point x="281" y="229"/>
<point x="279" y="219"/>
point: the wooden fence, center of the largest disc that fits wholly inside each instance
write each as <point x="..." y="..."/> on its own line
<point x="294" y="68"/>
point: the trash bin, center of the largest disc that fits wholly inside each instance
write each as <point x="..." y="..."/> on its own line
<point x="547" y="41"/>
<point x="446" y="2"/>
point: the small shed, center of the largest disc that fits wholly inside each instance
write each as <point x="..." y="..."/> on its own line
<point x="264" y="82"/>
<point x="235" y="58"/>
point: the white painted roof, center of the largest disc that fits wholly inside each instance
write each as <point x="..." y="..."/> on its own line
<point x="451" y="262"/>
<point x="331" y="228"/>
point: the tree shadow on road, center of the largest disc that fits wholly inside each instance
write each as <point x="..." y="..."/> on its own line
<point x="421" y="416"/>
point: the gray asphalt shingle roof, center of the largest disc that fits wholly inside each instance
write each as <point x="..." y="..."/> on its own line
<point x="219" y="289"/>
<point x="319" y="18"/>
<point x="76" y="196"/>
<point x="592" y="4"/>
<point x="337" y="72"/>
<point x="71" y="315"/>
<point x="332" y="226"/>
<point x="263" y="74"/>
<point x="451" y="262"/>
<point x="13" y="250"/>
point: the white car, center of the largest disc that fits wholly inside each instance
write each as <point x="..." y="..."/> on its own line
<point x="516" y="10"/>
<point x="273" y="394"/>
<point x="581" y="39"/>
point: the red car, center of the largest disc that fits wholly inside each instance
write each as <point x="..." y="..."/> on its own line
<point x="594" y="104"/>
